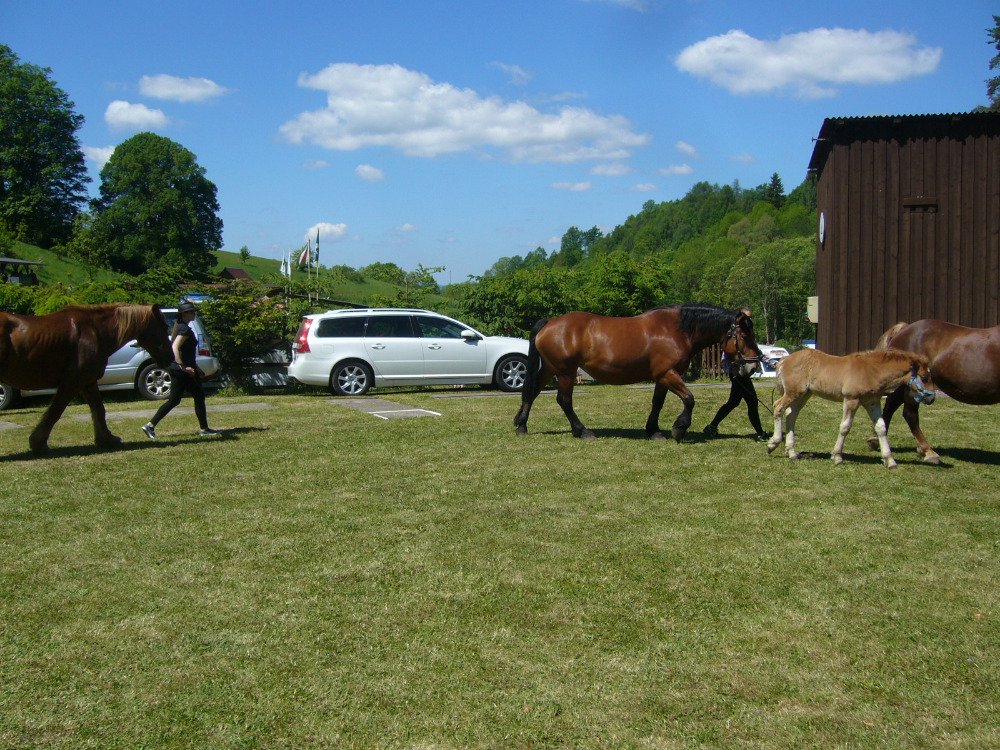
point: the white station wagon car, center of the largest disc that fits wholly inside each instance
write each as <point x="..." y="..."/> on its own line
<point x="350" y="351"/>
<point x="771" y="354"/>
<point x="132" y="367"/>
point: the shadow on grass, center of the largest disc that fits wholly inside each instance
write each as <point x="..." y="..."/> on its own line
<point x="81" y="451"/>
<point x="970" y="455"/>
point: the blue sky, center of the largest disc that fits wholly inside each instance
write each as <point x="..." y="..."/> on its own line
<point x="454" y="133"/>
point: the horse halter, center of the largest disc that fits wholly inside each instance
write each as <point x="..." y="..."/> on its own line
<point x="738" y="356"/>
<point x="920" y="394"/>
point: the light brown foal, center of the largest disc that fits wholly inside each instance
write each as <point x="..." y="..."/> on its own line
<point x="859" y="379"/>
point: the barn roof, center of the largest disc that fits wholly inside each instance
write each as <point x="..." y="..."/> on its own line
<point x="843" y="130"/>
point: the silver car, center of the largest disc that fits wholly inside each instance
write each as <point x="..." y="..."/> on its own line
<point x="132" y="367"/>
<point x="351" y="351"/>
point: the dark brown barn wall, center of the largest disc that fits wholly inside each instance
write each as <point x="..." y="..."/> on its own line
<point x="911" y="208"/>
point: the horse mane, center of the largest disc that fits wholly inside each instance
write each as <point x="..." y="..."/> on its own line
<point x="697" y="316"/>
<point x="130" y="319"/>
<point x="893" y="355"/>
<point x="886" y="338"/>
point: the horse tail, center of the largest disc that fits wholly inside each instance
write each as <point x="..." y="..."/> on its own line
<point x="534" y="362"/>
<point x="885" y="340"/>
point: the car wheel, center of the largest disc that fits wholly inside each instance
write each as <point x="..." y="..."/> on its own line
<point x="511" y="372"/>
<point x="153" y="382"/>
<point x="8" y="396"/>
<point x="351" y="379"/>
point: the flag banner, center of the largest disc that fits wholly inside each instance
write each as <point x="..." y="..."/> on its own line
<point x="304" y="257"/>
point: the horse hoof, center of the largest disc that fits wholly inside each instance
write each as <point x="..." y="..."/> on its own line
<point x="770" y="448"/>
<point x="678" y="434"/>
<point x="933" y="459"/>
<point x="658" y="436"/>
<point x="112" y="441"/>
<point x="873" y="444"/>
<point x="521" y="430"/>
<point x="587" y="435"/>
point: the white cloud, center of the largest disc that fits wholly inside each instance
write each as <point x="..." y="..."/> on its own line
<point x="180" y="89"/>
<point x="611" y="170"/>
<point x="687" y="148"/>
<point x="122" y="115"/>
<point x="388" y="105"/>
<point x="744" y="158"/>
<point x="645" y="187"/>
<point x="98" y="154"/>
<point x="573" y="187"/>
<point x="318" y="164"/>
<point x="406" y="228"/>
<point x="518" y="75"/>
<point x="675" y="169"/>
<point x="811" y="63"/>
<point x="328" y="232"/>
<point x="368" y="173"/>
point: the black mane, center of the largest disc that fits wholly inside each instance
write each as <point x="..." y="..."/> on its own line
<point x="704" y="317"/>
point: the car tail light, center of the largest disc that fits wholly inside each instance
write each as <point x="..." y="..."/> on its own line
<point x="301" y="343"/>
<point x="204" y="350"/>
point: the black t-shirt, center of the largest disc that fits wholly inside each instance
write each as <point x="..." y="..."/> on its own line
<point x="189" y="346"/>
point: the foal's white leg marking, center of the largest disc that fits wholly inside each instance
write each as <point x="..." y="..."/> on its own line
<point x="875" y="412"/>
<point x="850" y="406"/>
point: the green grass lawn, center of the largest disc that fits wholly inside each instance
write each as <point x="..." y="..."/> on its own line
<point x="318" y="577"/>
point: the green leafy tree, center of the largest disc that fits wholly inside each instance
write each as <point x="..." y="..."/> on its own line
<point x="43" y="177"/>
<point x="511" y="305"/>
<point x="156" y="207"/>
<point x="618" y="285"/>
<point x="414" y="289"/>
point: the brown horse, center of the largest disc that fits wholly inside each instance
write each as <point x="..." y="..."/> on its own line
<point x="965" y="363"/>
<point x="657" y="345"/>
<point x="69" y="349"/>
<point x="859" y="379"/>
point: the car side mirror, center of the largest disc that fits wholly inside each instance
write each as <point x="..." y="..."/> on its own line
<point x="469" y="335"/>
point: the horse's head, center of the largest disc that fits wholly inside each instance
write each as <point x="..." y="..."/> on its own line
<point x="740" y="345"/>
<point x="153" y="337"/>
<point x="921" y="383"/>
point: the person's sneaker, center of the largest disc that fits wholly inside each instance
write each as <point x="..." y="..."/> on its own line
<point x="150" y="431"/>
<point x="711" y="430"/>
<point x="208" y="431"/>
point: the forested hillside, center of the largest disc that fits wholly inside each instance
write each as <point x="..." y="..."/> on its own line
<point x="723" y="245"/>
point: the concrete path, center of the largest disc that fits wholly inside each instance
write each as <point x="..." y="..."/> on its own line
<point x="382" y="409"/>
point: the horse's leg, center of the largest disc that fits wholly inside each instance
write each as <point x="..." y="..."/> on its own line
<point x="39" y="438"/>
<point x="102" y="435"/>
<point x="892" y="402"/>
<point x="881" y="432"/>
<point x="528" y="397"/>
<point x="911" y="413"/>
<point x="779" y="413"/>
<point x="674" y="383"/>
<point x="850" y="407"/>
<point x="793" y="414"/>
<point x="564" y="397"/>
<point x="653" y="423"/>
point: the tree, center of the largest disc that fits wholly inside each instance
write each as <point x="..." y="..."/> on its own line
<point x="993" y="84"/>
<point x="774" y="192"/>
<point x="156" y="207"/>
<point x="42" y="172"/>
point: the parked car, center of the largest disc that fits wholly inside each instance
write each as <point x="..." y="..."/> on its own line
<point x="132" y="367"/>
<point x="351" y="351"/>
<point x="772" y="355"/>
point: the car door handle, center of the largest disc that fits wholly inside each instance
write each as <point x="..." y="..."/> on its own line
<point x="434" y="346"/>
<point x="378" y="346"/>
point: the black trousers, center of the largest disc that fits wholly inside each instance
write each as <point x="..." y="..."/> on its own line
<point x="741" y="390"/>
<point x="180" y="381"/>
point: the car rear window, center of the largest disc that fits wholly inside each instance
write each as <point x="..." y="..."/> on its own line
<point x="341" y="327"/>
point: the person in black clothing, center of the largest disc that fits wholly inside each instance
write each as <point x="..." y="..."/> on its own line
<point x="185" y="375"/>
<point x="741" y="389"/>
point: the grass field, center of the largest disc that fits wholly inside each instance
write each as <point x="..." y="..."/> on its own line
<point x="318" y="577"/>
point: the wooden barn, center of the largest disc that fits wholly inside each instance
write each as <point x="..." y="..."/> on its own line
<point x="909" y="224"/>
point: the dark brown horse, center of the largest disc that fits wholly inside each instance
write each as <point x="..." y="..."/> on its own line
<point x="965" y="363"/>
<point x="657" y="345"/>
<point x="69" y="349"/>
